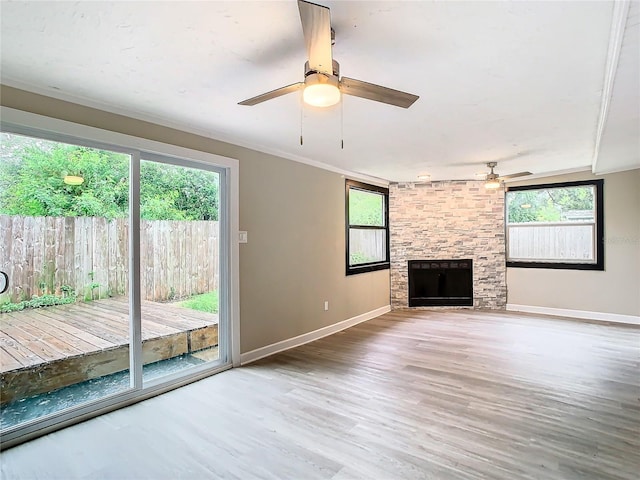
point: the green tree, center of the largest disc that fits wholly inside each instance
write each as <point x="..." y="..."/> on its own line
<point x="177" y="193"/>
<point x="32" y="183"/>
<point x="366" y="208"/>
<point x="547" y="205"/>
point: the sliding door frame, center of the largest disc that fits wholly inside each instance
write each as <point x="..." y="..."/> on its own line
<point x="25" y="123"/>
<point x="223" y="270"/>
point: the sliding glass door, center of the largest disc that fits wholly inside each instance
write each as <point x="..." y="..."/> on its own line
<point x="117" y="267"/>
<point x="179" y="266"/>
<point x="65" y="320"/>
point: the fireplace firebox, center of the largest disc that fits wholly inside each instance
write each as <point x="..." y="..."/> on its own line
<point x="440" y="283"/>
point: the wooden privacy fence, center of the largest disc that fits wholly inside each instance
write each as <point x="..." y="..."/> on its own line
<point x="91" y="256"/>
<point x="555" y="241"/>
<point x="367" y="245"/>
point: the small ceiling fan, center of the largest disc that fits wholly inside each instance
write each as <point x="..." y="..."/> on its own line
<point x="322" y="84"/>
<point x="492" y="180"/>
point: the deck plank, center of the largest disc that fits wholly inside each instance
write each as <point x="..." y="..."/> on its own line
<point x="58" y="322"/>
<point x="118" y="318"/>
<point x="55" y="336"/>
<point x="98" y="320"/>
<point x="18" y="351"/>
<point x="94" y="315"/>
<point x="99" y="330"/>
<point x="42" y="332"/>
<point x="179" y="317"/>
<point x="8" y="361"/>
<point x="31" y="342"/>
<point x="77" y="342"/>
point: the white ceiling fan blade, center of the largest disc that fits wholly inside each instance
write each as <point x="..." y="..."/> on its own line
<point x="316" y="27"/>
<point x="358" y="88"/>
<point x="272" y="94"/>
<point x="515" y="175"/>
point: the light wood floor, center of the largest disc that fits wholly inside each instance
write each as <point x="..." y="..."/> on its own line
<point x="420" y="395"/>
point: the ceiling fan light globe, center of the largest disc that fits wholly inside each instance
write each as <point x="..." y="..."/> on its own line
<point x="321" y="95"/>
<point x="492" y="184"/>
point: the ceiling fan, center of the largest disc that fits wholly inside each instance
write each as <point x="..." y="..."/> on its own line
<point x="322" y="84"/>
<point x="492" y="180"/>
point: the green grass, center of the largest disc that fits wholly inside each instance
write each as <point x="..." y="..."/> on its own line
<point x="206" y="302"/>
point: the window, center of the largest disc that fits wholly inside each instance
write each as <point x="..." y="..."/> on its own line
<point x="556" y="226"/>
<point x="367" y="219"/>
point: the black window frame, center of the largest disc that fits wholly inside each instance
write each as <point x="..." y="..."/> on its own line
<point x="599" y="225"/>
<point x="372" y="266"/>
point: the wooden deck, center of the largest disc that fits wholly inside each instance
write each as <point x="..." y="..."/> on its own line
<point x="48" y="348"/>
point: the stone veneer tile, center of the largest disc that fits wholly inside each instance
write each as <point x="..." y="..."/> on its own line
<point x="449" y="220"/>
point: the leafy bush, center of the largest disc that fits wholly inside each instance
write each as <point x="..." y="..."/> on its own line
<point x="36" y="301"/>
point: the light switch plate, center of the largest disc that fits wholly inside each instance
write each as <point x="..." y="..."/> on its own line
<point x="242" y="237"/>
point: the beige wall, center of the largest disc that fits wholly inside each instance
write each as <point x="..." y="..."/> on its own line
<point x="294" y="215"/>
<point x="615" y="290"/>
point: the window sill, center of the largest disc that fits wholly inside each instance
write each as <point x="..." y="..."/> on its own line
<point x="557" y="265"/>
<point x="372" y="267"/>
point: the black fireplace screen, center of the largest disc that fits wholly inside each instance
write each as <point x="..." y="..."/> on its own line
<point x="440" y="283"/>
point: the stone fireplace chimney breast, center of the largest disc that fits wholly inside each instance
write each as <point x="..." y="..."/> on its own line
<point x="449" y="220"/>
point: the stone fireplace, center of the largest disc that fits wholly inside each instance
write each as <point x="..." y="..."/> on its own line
<point x="440" y="283"/>
<point x="445" y="221"/>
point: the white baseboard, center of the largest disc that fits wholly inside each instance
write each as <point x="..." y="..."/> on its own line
<point x="563" y="312"/>
<point x="274" y="348"/>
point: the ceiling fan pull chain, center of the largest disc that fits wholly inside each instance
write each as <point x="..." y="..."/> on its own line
<point x="342" y="124"/>
<point x="301" y="118"/>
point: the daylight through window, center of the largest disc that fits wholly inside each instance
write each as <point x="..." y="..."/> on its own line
<point x="555" y="226"/>
<point x="367" y="227"/>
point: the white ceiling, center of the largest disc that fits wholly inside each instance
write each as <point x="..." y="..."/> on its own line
<point x="527" y="84"/>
